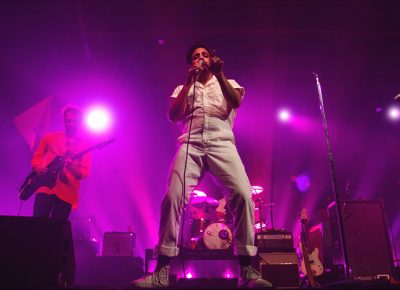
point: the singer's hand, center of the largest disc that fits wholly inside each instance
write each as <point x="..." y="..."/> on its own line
<point x="196" y="68"/>
<point x="194" y="71"/>
<point x="216" y="65"/>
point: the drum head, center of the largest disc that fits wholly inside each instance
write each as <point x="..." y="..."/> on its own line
<point x="218" y="236"/>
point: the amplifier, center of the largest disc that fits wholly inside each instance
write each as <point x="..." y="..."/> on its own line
<point x="119" y="244"/>
<point x="274" y="241"/>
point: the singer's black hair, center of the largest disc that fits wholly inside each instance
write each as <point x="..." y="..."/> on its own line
<point x="192" y="48"/>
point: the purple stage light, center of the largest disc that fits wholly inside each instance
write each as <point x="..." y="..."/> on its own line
<point x="393" y="113"/>
<point x="284" y="115"/>
<point x="189" y="275"/>
<point x="228" y="275"/>
<point x="303" y="182"/>
<point x="98" y="119"/>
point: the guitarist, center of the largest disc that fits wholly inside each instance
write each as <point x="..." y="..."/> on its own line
<point x="57" y="201"/>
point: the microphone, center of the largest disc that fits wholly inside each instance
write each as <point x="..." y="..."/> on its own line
<point x="201" y="62"/>
<point x="397" y="97"/>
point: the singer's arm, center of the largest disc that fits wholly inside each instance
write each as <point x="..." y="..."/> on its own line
<point x="232" y="96"/>
<point x="178" y="105"/>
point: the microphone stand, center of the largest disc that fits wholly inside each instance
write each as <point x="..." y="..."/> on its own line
<point x="272" y="176"/>
<point x="334" y="181"/>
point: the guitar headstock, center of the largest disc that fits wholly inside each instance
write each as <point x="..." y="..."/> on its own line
<point x="304" y="217"/>
<point x="105" y="143"/>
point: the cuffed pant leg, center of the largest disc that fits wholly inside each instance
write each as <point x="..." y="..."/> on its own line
<point x="172" y="204"/>
<point x="225" y="164"/>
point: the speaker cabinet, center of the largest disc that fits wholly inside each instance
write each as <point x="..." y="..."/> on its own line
<point x="281" y="269"/>
<point x="366" y="237"/>
<point x="119" y="244"/>
<point x="35" y="252"/>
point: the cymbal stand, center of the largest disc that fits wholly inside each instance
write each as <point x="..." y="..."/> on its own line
<point x="260" y="205"/>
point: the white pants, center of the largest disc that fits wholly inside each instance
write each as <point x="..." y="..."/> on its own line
<point x="222" y="160"/>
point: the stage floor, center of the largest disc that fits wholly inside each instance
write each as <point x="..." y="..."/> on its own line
<point x="210" y="284"/>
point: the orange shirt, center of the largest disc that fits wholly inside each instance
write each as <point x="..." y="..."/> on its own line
<point x="56" y="144"/>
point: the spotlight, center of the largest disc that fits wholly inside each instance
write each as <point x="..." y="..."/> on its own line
<point x="393" y="113"/>
<point x="303" y="182"/>
<point x="189" y="275"/>
<point x="98" y="119"/>
<point x="228" y="275"/>
<point x="284" y="115"/>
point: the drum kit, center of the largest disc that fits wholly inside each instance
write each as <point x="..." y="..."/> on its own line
<point x="211" y="225"/>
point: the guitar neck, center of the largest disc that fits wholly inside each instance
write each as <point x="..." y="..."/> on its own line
<point x="83" y="152"/>
<point x="87" y="150"/>
<point x="305" y="237"/>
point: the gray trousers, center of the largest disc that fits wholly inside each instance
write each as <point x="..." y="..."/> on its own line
<point x="222" y="160"/>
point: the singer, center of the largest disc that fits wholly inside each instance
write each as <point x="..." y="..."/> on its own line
<point x="205" y="107"/>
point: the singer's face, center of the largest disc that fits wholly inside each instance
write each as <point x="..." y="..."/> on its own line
<point x="200" y="53"/>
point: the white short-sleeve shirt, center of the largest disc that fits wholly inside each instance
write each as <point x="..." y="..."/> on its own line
<point x="213" y="116"/>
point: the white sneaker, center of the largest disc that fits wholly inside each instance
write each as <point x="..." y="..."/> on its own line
<point x="159" y="278"/>
<point x="251" y="278"/>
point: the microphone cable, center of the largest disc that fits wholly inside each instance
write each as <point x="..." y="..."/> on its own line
<point x="183" y="203"/>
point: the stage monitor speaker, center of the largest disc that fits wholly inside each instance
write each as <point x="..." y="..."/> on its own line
<point x="367" y="239"/>
<point x="110" y="271"/>
<point x="35" y="252"/>
<point x="280" y="268"/>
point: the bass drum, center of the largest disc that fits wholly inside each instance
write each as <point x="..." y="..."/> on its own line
<point x="218" y="236"/>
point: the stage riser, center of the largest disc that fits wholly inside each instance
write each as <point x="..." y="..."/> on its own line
<point x="281" y="269"/>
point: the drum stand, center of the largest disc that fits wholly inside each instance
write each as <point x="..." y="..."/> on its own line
<point x="260" y="206"/>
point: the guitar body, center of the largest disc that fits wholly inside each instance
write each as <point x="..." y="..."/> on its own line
<point x="34" y="180"/>
<point x="310" y="261"/>
<point x="315" y="264"/>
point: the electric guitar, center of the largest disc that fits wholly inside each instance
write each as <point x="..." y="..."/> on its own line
<point x="35" y="180"/>
<point x="310" y="264"/>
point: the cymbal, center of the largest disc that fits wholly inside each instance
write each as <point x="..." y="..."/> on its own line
<point x="202" y="201"/>
<point x="198" y="193"/>
<point x="257" y="226"/>
<point x="256" y="189"/>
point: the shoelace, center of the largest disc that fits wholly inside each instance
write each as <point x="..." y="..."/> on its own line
<point x="156" y="277"/>
<point x="250" y="270"/>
